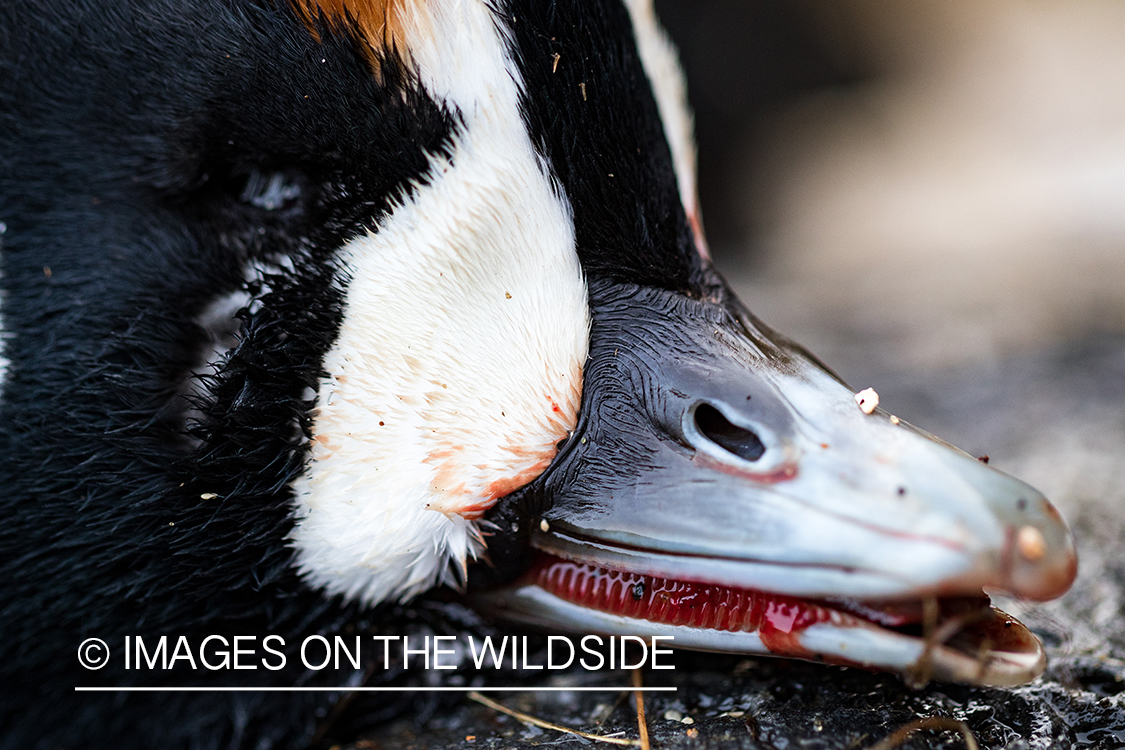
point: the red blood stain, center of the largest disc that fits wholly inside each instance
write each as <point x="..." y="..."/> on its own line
<point x="507" y="485"/>
<point x="783" y="623"/>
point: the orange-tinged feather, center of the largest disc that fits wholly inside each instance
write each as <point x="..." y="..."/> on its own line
<point x="380" y="25"/>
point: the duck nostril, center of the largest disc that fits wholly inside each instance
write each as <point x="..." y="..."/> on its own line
<point x="731" y="438"/>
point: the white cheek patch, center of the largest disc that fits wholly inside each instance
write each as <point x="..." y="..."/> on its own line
<point x="458" y="365"/>
<point x="662" y="67"/>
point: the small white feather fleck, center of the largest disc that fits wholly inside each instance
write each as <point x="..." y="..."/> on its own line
<point x="868" y="400"/>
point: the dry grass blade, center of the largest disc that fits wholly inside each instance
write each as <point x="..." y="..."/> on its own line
<point x="919" y="674"/>
<point x="934" y="635"/>
<point x="537" y="722"/>
<point x="984" y="658"/>
<point x="642" y="722"/>
<point x="604" y="716"/>
<point x="940" y="723"/>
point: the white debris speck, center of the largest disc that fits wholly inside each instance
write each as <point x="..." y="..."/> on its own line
<point x="867" y="399"/>
<point x="673" y="715"/>
<point x="208" y="496"/>
<point x="894" y="419"/>
<point x="544" y="526"/>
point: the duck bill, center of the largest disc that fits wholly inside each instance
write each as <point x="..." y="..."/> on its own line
<point x="725" y="488"/>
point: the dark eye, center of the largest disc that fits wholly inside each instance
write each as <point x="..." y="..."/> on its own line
<point x="733" y="439"/>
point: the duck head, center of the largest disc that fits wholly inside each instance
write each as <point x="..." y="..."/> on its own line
<point x="723" y="487"/>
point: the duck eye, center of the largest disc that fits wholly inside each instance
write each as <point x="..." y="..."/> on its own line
<point x="730" y="437"/>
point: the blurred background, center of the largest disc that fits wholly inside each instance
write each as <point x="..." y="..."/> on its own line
<point x="886" y="167"/>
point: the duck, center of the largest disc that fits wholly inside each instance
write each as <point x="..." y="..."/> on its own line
<point x="311" y="307"/>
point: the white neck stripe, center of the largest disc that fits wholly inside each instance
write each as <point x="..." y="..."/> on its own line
<point x="459" y="362"/>
<point x="662" y="67"/>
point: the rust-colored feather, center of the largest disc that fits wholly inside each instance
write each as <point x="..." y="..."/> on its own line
<point x="379" y="25"/>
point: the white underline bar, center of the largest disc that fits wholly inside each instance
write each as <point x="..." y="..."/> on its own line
<point x="380" y="689"/>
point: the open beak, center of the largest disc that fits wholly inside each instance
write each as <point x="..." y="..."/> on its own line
<point x="723" y="487"/>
